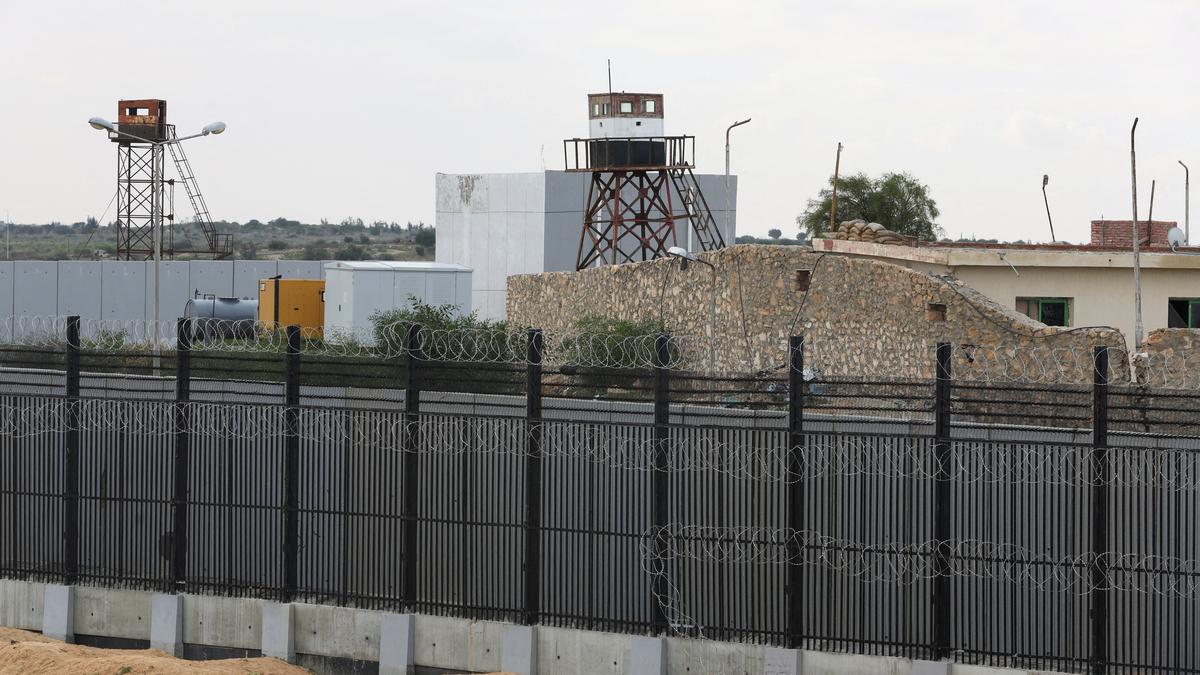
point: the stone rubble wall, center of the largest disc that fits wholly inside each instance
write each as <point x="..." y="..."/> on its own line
<point x="860" y="318"/>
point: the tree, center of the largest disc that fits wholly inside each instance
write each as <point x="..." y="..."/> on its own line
<point x="426" y="238"/>
<point x="898" y="201"/>
<point x="774" y="233"/>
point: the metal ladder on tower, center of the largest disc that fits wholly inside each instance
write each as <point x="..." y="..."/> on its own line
<point x="700" y="218"/>
<point x="219" y="245"/>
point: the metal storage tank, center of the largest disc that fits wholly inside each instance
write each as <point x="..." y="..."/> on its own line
<point x="356" y="290"/>
<point x="210" y="317"/>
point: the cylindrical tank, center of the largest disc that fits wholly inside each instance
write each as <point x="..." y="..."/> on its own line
<point x="210" y="317"/>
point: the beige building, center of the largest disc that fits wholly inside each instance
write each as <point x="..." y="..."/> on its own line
<point x="1061" y="284"/>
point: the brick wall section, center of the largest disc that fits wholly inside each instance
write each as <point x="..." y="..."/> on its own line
<point x="863" y="317"/>
<point x="1119" y="233"/>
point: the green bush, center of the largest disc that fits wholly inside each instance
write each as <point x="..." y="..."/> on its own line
<point x="601" y="341"/>
<point x="471" y="335"/>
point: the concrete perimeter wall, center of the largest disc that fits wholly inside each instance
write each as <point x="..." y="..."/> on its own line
<point x="329" y="639"/>
<point x="118" y="290"/>
<point x="861" y="317"/>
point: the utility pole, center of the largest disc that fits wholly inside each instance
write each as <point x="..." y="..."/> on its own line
<point x="837" y="165"/>
<point x="1137" y="254"/>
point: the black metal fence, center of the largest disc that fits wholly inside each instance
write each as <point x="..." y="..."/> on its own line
<point x="917" y="518"/>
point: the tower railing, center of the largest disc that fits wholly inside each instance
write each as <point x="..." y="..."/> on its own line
<point x="629" y="153"/>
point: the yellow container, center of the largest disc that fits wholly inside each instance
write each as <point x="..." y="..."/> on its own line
<point x="292" y="302"/>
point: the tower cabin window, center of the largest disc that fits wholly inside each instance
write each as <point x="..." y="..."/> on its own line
<point x="595" y="109"/>
<point x="648" y="105"/>
<point x="626" y="106"/>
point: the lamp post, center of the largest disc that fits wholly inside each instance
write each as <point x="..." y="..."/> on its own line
<point x="213" y="128"/>
<point x="727" y="203"/>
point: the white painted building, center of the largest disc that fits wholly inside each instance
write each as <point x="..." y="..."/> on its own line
<point x="354" y="291"/>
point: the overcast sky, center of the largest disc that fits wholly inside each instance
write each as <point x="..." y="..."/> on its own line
<point x="340" y="109"/>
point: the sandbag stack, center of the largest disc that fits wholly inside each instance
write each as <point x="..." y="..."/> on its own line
<point x="861" y="230"/>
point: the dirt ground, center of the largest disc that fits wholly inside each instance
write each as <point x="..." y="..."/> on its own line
<point x="30" y="653"/>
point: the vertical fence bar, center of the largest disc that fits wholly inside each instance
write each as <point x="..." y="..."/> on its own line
<point x="1100" y="478"/>
<point x="291" y="482"/>
<point x="942" y="496"/>
<point x="795" y="486"/>
<point x="179" y="498"/>
<point x="412" y="465"/>
<point x="71" y="465"/>
<point x="533" y="477"/>
<point x="660" y="487"/>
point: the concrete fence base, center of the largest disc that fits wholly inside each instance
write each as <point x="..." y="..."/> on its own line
<point x="329" y="638"/>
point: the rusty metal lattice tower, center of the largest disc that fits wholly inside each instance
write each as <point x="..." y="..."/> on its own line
<point x="641" y="189"/>
<point x="144" y="204"/>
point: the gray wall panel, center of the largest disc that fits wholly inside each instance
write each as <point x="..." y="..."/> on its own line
<point x="35" y="288"/>
<point x="123" y="290"/>
<point x="175" y="291"/>
<point x="301" y="269"/>
<point x="6" y="290"/>
<point x="213" y="277"/>
<point x="79" y="287"/>
<point x="246" y="274"/>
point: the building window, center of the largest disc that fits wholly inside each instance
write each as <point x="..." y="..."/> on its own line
<point x="649" y="105"/>
<point x="1183" y="313"/>
<point x="935" y="311"/>
<point x="1050" y="311"/>
<point x="595" y="109"/>
<point x="626" y="106"/>
<point x="604" y="108"/>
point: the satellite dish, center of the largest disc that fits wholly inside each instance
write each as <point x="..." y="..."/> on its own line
<point x="1175" y="237"/>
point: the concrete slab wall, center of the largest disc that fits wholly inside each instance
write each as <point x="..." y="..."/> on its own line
<point x="353" y="635"/>
<point x="116" y="290"/>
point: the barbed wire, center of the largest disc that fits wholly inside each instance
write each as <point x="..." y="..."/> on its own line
<point x="663" y="548"/>
<point x="1066" y="360"/>
<point x="760" y="456"/>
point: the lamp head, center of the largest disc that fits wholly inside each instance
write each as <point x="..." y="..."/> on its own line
<point x="1045" y="179"/>
<point x="214" y="128"/>
<point x="683" y="255"/>
<point x="101" y="124"/>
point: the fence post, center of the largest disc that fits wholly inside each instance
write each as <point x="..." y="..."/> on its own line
<point x="291" y="482"/>
<point x="795" y="494"/>
<point x="533" y="477"/>
<point x="942" y="496"/>
<point x="660" y="486"/>
<point x="71" y="465"/>
<point x="411" y="464"/>
<point x="183" y="391"/>
<point x="1100" y="478"/>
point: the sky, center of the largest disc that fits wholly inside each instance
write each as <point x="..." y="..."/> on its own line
<point x="348" y="109"/>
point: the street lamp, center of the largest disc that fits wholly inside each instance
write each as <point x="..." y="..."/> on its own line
<point x="213" y="128"/>
<point x="1045" y="182"/>
<point x="727" y="207"/>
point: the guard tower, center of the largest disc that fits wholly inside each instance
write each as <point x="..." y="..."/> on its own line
<point x="642" y="189"/>
<point x="144" y="204"/>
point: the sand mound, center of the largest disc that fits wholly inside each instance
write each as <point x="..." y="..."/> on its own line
<point x="25" y="652"/>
